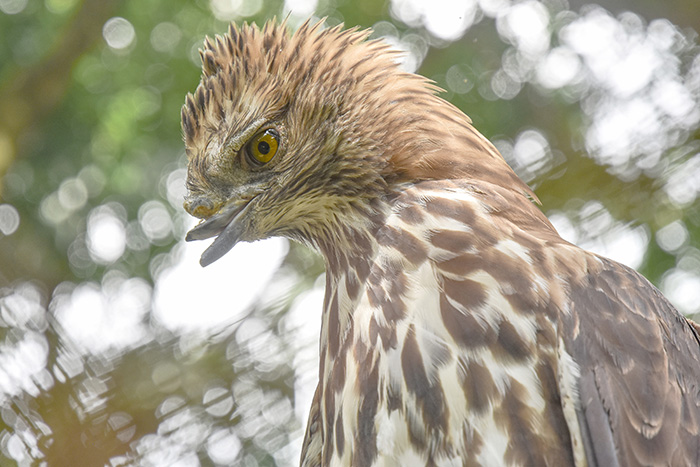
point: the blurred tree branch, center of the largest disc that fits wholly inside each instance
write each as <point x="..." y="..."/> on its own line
<point x="31" y="93"/>
<point x="27" y="96"/>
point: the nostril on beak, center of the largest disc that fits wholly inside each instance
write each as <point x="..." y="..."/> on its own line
<point x="200" y="207"/>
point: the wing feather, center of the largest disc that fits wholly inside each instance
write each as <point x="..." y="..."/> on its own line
<point x="312" y="447"/>
<point x="639" y="362"/>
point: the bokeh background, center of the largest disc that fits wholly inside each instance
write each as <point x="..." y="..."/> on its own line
<point x="116" y="348"/>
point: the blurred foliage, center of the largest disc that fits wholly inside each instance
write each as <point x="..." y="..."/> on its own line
<point x="596" y="108"/>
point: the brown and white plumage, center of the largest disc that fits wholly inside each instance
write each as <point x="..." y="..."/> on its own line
<point x="458" y="327"/>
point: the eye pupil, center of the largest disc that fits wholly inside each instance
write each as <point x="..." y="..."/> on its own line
<point x="263" y="147"/>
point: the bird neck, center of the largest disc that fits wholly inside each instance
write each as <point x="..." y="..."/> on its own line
<point x="349" y="254"/>
<point x="350" y="244"/>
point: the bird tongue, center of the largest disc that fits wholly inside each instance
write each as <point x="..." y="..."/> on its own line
<point x="227" y="224"/>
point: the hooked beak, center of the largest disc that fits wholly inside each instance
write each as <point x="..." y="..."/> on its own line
<point x="227" y="223"/>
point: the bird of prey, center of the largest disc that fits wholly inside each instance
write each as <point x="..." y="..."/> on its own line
<point x="458" y="327"/>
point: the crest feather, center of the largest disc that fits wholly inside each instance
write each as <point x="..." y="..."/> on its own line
<point x="249" y="58"/>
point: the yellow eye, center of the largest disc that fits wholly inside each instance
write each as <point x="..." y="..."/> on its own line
<point x="263" y="147"/>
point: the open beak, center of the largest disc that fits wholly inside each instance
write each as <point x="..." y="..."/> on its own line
<point x="227" y="225"/>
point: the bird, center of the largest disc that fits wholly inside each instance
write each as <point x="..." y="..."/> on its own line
<point x="458" y="327"/>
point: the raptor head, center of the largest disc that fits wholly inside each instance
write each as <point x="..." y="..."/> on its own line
<point x="296" y="135"/>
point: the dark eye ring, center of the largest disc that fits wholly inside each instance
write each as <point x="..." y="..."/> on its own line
<point x="262" y="147"/>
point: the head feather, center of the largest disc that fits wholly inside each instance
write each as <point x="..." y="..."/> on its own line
<point x="379" y="118"/>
